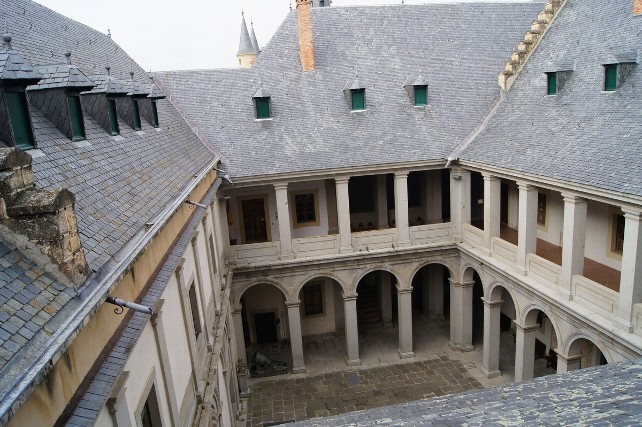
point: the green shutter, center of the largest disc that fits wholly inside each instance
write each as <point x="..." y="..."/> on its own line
<point x="358" y="99"/>
<point x="113" y="117"/>
<point x="75" y="115"/>
<point x="136" y="114"/>
<point x="610" y="77"/>
<point x="20" y="123"/>
<point x="262" y="108"/>
<point x="154" y="114"/>
<point x="421" y="95"/>
<point x="551" y="87"/>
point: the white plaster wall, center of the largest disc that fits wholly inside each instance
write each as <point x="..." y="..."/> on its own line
<point x="176" y="338"/>
<point x="552" y="231"/>
<point x="322" y="228"/>
<point x="144" y="367"/>
<point x="321" y="323"/>
<point x="598" y="246"/>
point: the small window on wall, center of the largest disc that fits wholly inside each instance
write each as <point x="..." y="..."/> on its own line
<point x="313" y="299"/>
<point x="20" y="121"/>
<point x="358" y="99"/>
<point x="421" y="95"/>
<point x="154" y="114"/>
<point x="113" y="117"/>
<point x="75" y="114"/>
<point x="541" y="209"/>
<point x="610" y="77"/>
<point x="150" y="414"/>
<point x="617" y="241"/>
<point x="262" y="107"/>
<point x="136" y="114"/>
<point x="196" y="317"/>
<point x="551" y="83"/>
<point x="212" y="252"/>
<point x="306" y="207"/>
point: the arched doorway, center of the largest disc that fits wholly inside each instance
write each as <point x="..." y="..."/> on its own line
<point x="582" y="353"/>
<point x="499" y="333"/>
<point x="430" y="307"/>
<point x="535" y="342"/>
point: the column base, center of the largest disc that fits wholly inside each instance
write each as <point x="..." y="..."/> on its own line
<point x="406" y="355"/>
<point x="346" y="250"/>
<point x="286" y="256"/>
<point x="246" y="393"/>
<point x="461" y="347"/>
<point x="521" y="270"/>
<point x="353" y="362"/>
<point x="490" y="374"/>
<point x="567" y="295"/>
<point x="387" y="324"/>
<point x="299" y="370"/>
<point x="623" y="324"/>
<point x="403" y="244"/>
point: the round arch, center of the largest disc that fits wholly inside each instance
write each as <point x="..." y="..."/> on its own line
<point x="363" y="273"/>
<point x="468" y="270"/>
<point x="239" y="293"/>
<point x="494" y="293"/>
<point x="529" y="317"/>
<point x="308" y="278"/>
<point x="451" y="270"/>
<point x="572" y="345"/>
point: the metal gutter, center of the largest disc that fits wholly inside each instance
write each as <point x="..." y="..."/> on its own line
<point x="92" y="294"/>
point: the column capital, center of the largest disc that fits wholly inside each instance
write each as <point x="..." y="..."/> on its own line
<point x="525" y="186"/>
<point x="401" y="174"/>
<point x="280" y="185"/>
<point x="492" y="304"/>
<point x="489" y="176"/>
<point x="632" y="213"/>
<point x="568" y="359"/>
<point x="525" y="329"/>
<point x="404" y="290"/>
<point x="341" y="179"/>
<point x="236" y="311"/>
<point x="293" y="304"/>
<point x="573" y="198"/>
<point x="349" y="297"/>
<point x="461" y="284"/>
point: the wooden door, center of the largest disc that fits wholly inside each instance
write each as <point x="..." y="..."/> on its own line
<point x="254" y="220"/>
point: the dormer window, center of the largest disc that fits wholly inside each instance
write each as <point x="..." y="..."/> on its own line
<point x="358" y="99"/>
<point x="113" y="117"/>
<point x="551" y="83"/>
<point x="136" y="114"/>
<point x="421" y="95"/>
<point x="76" y="118"/>
<point x="610" y="77"/>
<point x="19" y="116"/>
<point x="262" y="104"/>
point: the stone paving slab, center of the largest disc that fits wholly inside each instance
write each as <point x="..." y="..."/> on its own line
<point x="289" y="399"/>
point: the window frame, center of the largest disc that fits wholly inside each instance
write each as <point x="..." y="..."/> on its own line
<point x="23" y="114"/>
<point x="611" y="72"/>
<point x="154" y="114"/>
<point x="313" y="286"/>
<point x="552" y="83"/>
<point x="260" y="103"/>
<point x="617" y="223"/>
<point x="293" y="208"/>
<point x="77" y="121"/>
<point x="424" y="89"/>
<point x="542" y="214"/>
<point x="152" y="402"/>
<point x="361" y="92"/>
<point x="112" y="112"/>
<point x="194" y="308"/>
<point x="136" y="114"/>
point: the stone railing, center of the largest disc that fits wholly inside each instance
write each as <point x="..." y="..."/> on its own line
<point x="594" y="296"/>
<point x="504" y="251"/>
<point x="431" y="233"/>
<point x="315" y="246"/>
<point x="255" y="252"/>
<point x="473" y="235"/>
<point x="544" y="271"/>
<point x="375" y="239"/>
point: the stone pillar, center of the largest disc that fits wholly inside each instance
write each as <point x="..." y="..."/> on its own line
<point x="352" y="332"/>
<point x="573" y="242"/>
<point x="404" y="310"/>
<point x="343" y="212"/>
<point x="331" y="201"/>
<point x="459" y="200"/>
<point x="492" y="201"/>
<point x="568" y="363"/>
<point x="239" y="336"/>
<point x="490" y="361"/>
<point x="401" y="208"/>
<point x="461" y="315"/>
<point x="524" y="351"/>
<point x="432" y="207"/>
<point x="386" y="300"/>
<point x="296" y="341"/>
<point x="382" y="203"/>
<point x="285" y="235"/>
<point x="631" y="273"/>
<point x="527" y="228"/>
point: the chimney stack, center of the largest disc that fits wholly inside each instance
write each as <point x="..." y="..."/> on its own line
<point x="306" y="45"/>
<point x="637" y="7"/>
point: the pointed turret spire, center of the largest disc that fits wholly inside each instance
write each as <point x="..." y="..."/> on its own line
<point x="255" y="42"/>
<point x="247" y="51"/>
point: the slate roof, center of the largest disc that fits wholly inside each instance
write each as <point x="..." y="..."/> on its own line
<point x="13" y="65"/>
<point x="119" y="183"/>
<point x="245" y="43"/>
<point x="458" y="48"/>
<point x="110" y="85"/>
<point x="604" y="395"/>
<point x="62" y="76"/>
<point x="583" y="135"/>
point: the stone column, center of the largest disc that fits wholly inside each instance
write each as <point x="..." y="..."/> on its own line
<point x="432" y="208"/>
<point x="352" y="332"/>
<point x="401" y="208"/>
<point x="492" y="202"/>
<point x="404" y="309"/>
<point x="382" y="203"/>
<point x="527" y="228"/>
<point x="285" y="234"/>
<point x="568" y="363"/>
<point x="331" y="201"/>
<point x="524" y="351"/>
<point x="386" y="300"/>
<point x="296" y="341"/>
<point x="631" y="273"/>
<point x="573" y="242"/>
<point x="459" y="200"/>
<point x="343" y="212"/>
<point x="461" y="315"/>
<point x="490" y="361"/>
<point x="239" y="336"/>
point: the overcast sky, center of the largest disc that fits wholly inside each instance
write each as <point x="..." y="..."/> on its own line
<point x="186" y="34"/>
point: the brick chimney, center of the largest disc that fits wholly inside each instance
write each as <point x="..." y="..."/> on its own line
<point x="637" y="7"/>
<point x="46" y="217"/>
<point x="306" y="45"/>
